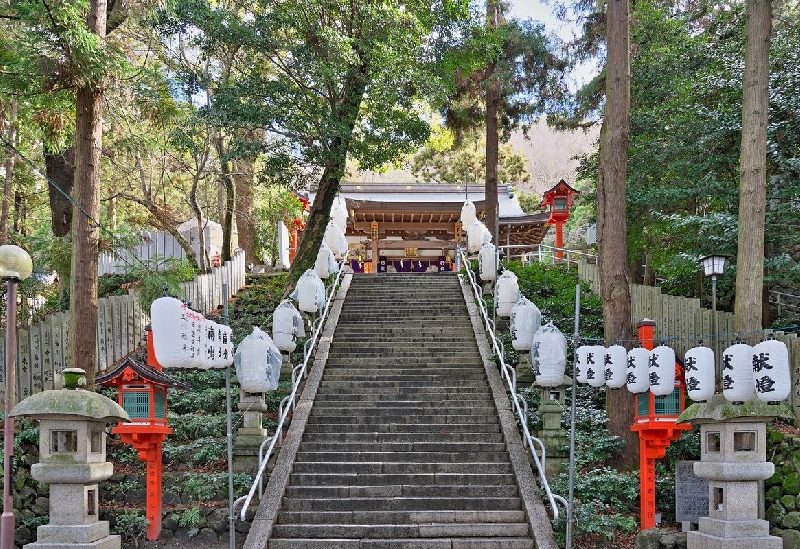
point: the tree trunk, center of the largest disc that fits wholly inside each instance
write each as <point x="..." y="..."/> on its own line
<point x="82" y="341"/>
<point x="61" y="171"/>
<point x="245" y="223"/>
<point x="753" y="171"/>
<point x="8" y="125"/>
<point x="612" y="219"/>
<point x="492" y="146"/>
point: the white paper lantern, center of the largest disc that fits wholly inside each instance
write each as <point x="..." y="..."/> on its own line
<point x="335" y="239"/>
<point x="325" y="264"/>
<point x="699" y="368"/>
<point x="286" y="323"/>
<point x="549" y="355"/>
<point x="615" y="361"/>
<point x="211" y="343"/>
<point x="525" y="320"/>
<point x="636" y="376"/>
<point x="661" y="370"/>
<point x="339" y="212"/>
<point x="506" y="293"/>
<point x="595" y="367"/>
<point x="468" y="213"/>
<point x="196" y="324"/>
<point x="771" y="373"/>
<point x="477" y="236"/>
<point x="170" y="332"/>
<point x="225" y="346"/>
<point x="487" y="262"/>
<point x="258" y="363"/>
<point x="310" y="292"/>
<point x="737" y="373"/>
<point x="580" y="364"/>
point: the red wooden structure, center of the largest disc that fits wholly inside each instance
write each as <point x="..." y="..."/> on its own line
<point x="142" y="392"/>
<point x="656" y="424"/>
<point x="559" y="199"/>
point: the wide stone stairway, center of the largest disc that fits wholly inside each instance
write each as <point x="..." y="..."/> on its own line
<point x="403" y="446"/>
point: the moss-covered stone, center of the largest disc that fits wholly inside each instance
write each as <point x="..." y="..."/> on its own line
<point x="791" y="484"/>
<point x="774" y="493"/>
<point x="791" y="539"/>
<point x="717" y="408"/>
<point x="775" y="513"/>
<point x="776" y="479"/>
<point x="791" y="520"/>
<point x="790" y="502"/>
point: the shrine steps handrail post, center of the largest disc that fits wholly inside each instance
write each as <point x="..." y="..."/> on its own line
<point x="299" y="373"/>
<point x="510" y="377"/>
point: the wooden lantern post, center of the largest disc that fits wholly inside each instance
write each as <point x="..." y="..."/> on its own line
<point x="142" y="392"/>
<point x="559" y="199"/>
<point x="656" y="422"/>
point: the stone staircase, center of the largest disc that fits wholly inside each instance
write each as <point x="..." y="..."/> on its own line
<point x="402" y="446"/>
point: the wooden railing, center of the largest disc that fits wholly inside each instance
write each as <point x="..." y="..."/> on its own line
<point x="42" y="347"/>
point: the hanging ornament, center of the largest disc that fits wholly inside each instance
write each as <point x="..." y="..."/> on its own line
<point x="170" y="332"/>
<point x="771" y="373"/>
<point x="699" y="366"/>
<point x="549" y="355"/>
<point x="737" y="373"/>
<point x="595" y="370"/>
<point x="525" y="320"/>
<point x="636" y="376"/>
<point x="661" y="370"/>
<point x="615" y="360"/>
<point x="506" y="293"/>
<point x="487" y="261"/>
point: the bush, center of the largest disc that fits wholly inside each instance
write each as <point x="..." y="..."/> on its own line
<point x="130" y="524"/>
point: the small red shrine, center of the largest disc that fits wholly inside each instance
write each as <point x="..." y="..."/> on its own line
<point x="142" y="392"/>
<point x="656" y="422"/>
<point x="559" y="199"/>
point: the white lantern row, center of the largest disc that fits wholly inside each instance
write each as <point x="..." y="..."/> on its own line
<point x="335" y="239"/>
<point x="615" y="360"/>
<point x="339" y="213"/>
<point x="258" y="363"/>
<point x="771" y="372"/>
<point x="525" y="320"/>
<point x="636" y="377"/>
<point x="183" y="338"/>
<point x="549" y="355"/>
<point x="468" y="213"/>
<point x="487" y="262"/>
<point x="477" y="236"/>
<point x="309" y="292"/>
<point x="699" y="367"/>
<point x="506" y="293"/>
<point x="325" y="265"/>
<point x="287" y="326"/>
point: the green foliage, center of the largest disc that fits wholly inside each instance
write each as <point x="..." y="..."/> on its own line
<point x="155" y="275"/>
<point x="130" y="524"/>
<point x="191" y="427"/>
<point x="202" y="451"/>
<point x="187" y="518"/>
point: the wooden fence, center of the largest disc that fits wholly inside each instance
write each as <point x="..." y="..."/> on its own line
<point x="42" y="347"/>
<point x="681" y="323"/>
<point x="154" y="244"/>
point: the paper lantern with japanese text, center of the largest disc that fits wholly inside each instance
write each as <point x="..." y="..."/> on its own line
<point x="525" y="320"/>
<point x="549" y="355"/>
<point x="636" y="377"/>
<point x="737" y="373"/>
<point x="579" y="366"/>
<point x="325" y="265"/>
<point x="661" y="370"/>
<point x="477" y="236"/>
<point x="700" y="371"/>
<point x="771" y="372"/>
<point x="595" y="370"/>
<point x="287" y="323"/>
<point x="310" y="292"/>
<point x="258" y="363"/>
<point x="506" y="293"/>
<point x="211" y="344"/>
<point x="468" y="213"/>
<point x="225" y="352"/>
<point x="169" y="326"/>
<point x="335" y="239"/>
<point x="615" y="361"/>
<point x="487" y="262"/>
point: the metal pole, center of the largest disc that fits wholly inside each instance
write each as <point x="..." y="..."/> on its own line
<point x="715" y="326"/>
<point x="7" y="520"/>
<point x="231" y="515"/>
<point x="571" y="495"/>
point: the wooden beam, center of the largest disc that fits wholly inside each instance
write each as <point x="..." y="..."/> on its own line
<point x="419" y="244"/>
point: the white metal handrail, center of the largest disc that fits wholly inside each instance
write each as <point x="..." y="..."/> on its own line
<point x="541" y="252"/>
<point x="299" y="373"/>
<point x="510" y="376"/>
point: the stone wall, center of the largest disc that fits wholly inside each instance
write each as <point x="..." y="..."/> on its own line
<point x="782" y="490"/>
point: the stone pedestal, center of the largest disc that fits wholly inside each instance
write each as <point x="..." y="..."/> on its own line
<point x="251" y="434"/>
<point x="552" y="435"/>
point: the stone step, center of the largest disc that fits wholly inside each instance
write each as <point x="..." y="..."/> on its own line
<point x="379" y="350"/>
<point x="328" y="410"/>
<point x="378" y="479"/>
<point x="438" y="437"/>
<point x="447" y="382"/>
<point x="401" y="490"/>
<point x="401" y="362"/>
<point x="463" y="456"/>
<point x="389" y="374"/>
<point x="376" y="467"/>
<point x="399" y="543"/>
<point x="360" y="531"/>
<point x="401" y="419"/>
<point x="368" y="448"/>
<point x="398" y="396"/>
<point x="406" y="392"/>
<point x="443" y="428"/>
<point x="364" y="404"/>
<point x="399" y="517"/>
<point x="402" y="504"/>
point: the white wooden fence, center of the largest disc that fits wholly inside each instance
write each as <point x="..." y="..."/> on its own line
<point x="42" y="347"/>
<point x="154" y="244"/>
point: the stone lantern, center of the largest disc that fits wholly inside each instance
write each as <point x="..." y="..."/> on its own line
<point x="733" y="460"/>
<point x="552" y="435"/>
<point x="72" y="460"/>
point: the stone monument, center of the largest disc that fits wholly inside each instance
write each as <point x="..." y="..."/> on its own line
<point x="733" y="460"/>
<point x="552" y="434"/>
<point x="72" y="460"/>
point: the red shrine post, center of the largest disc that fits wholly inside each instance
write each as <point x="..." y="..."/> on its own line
<point x="656" y="423"/>
<point x="559" y="199"/>
<point x="142" y="392"/>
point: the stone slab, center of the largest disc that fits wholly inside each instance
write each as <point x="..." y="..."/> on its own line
<point x="698" y="540"/>
<point x="64" y="533"/>
<point x="691" y="493"/>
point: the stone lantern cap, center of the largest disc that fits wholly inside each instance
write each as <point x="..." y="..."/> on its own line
<point x="717" y="409"/>
<point x="64" y="404"/>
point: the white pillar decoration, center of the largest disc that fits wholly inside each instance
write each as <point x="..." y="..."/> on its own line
<point x="615" y="360"/>
<point x="771" y="372"/>
<point x="737" y="373"/>
<point x="636" y="376"/>
<point x="661" y="370"/>
<point x="699" y="368"/>
<point x="339" y="212"/>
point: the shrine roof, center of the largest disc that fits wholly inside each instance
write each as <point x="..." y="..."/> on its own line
<point x="144" y="371"/>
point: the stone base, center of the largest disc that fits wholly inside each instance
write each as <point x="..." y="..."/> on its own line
<point x="71" y="534"/>
<point x="732" y="534"/>
<point x="245" y="454"/>
<point x="109" y="542"/>
<point x="698" y="540"/>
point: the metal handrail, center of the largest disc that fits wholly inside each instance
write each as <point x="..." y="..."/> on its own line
<point x="299" y="373"/>
<point x="520" y="406"/>
<point x="542" y="251"/>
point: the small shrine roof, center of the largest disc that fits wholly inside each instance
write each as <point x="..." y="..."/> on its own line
<point x="144" y="371"/>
